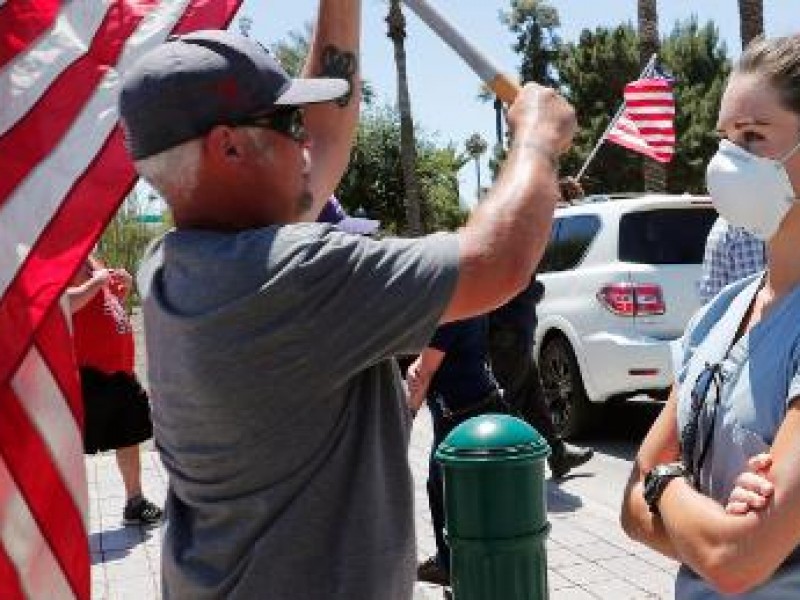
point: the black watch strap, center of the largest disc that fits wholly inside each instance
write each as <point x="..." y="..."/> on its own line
<point x="656" y="480"/>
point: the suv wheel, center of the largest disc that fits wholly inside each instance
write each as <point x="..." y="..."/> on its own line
<point x="563" y="387"/>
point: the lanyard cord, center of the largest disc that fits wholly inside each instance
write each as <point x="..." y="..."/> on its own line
<point x="717" y="379"/>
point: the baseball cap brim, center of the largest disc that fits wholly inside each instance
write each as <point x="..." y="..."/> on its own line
<point x="312" y="91"/>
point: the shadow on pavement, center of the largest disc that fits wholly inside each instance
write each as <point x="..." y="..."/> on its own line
<point x="115" y="544"/>
<point x="621" y="427"/>
<point x="561" y="501"/>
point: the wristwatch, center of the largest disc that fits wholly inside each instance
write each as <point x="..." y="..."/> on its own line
<point x="656" y="480"/>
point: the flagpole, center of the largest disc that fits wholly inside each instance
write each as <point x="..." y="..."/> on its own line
<point x="646" y="72"/>
<point x="503" y="85"/>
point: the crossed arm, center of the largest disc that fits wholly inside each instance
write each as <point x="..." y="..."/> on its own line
<point x="736" y="547"/>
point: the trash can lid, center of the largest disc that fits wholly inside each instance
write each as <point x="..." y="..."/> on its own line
<point x="492" y="437"/>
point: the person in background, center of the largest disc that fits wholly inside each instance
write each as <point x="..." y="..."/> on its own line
<point x="572" y="191"/>
<point x="731" y="254"/>
<point x="334" y="213"/>
<point x="454" y="375"/>
<point x="116" y="407"/>
<point x="716" y="482"/>
<point x="278" y="408"/>
<point x="511" y="339"/>
<point x="512" y="328"/>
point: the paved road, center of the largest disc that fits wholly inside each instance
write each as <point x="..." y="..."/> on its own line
<point x="588" y="556"/>
<point x="616" y="439"/>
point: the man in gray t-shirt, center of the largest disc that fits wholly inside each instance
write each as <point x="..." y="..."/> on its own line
<point x="277" y="408"/>
<point x="287" y="420"/>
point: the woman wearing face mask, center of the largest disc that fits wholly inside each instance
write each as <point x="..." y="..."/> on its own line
<point x="716" y="483"/>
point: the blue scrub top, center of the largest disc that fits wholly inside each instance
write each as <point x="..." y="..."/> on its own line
<point x="759" y="379"/>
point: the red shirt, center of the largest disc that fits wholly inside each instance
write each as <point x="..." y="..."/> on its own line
<point x="103" y="335"/>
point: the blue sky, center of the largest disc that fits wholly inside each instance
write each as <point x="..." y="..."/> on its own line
<point x="444" y="90"/>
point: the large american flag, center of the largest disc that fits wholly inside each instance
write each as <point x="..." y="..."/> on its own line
<point x="63" y="173"/>
<point x="647" y="122"/>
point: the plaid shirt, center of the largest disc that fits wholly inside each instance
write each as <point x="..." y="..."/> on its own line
<point x="731" y="254"/>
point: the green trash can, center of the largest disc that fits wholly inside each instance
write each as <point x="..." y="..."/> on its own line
<point x="496" y="509"/>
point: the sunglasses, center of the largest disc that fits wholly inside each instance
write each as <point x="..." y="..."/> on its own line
<point x="286" y="121"/>
<point x="711" y="375"/>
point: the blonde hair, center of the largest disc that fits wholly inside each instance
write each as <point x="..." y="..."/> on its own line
<point x="777" y="59"/>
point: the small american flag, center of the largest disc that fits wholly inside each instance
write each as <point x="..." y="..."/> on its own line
<point x="647" y="123"/>
<point x="63" y="173"/>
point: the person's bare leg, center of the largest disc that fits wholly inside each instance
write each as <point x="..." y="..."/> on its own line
<point x="138" y="509"/>
<point x="130" y="467"/>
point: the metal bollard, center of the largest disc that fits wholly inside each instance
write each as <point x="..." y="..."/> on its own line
<point x="496" y="509"/>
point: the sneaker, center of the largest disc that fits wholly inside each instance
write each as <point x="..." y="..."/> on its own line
<point x="140" y="511"/>
<point x="566" y="457"/>
<point x="431" y="571"/>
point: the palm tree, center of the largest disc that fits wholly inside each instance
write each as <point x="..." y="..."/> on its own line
<point x="751" y="20"/>
<point x="408" y="152"/>
<point x="654" y="173"/>
<point x="476" y="146"/>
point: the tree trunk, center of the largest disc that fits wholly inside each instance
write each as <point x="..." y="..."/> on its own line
<point x="478" y="178"/>
<point x="408" y="146"/>
<point x="653" y="173"/>
<point x="751" y="20"/>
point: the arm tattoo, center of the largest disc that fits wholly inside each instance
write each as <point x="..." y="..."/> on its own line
<point x="340" y="64"/>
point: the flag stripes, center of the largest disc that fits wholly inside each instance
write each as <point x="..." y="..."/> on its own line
<point x="43" y="62"/>
<point x="70" y="157"/>
<point x="23" y="22"/>
<point x="64" y="173"/>
<point x="12" y="586"/>
<point x="646" y="124"/>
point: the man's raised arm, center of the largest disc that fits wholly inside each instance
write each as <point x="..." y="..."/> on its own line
<point x="334" y="52"/>
<point x="506" y="235"/>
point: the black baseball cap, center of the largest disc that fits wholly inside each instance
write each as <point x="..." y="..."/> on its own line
<point x="184" y="87"/>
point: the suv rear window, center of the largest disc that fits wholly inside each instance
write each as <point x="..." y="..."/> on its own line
<point x="570" y="238"/>
<point x="675" y="236"/>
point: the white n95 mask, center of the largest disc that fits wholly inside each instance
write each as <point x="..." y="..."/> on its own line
<point x="749" y="191"/>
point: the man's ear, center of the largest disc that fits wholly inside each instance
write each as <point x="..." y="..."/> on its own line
<point x="223" y="145"/>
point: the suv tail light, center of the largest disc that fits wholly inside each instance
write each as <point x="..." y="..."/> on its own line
<point x="632" y="299"/>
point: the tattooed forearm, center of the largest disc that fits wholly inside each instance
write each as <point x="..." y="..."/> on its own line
<point x="340" y="64"/>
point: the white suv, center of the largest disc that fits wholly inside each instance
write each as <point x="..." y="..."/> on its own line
<point x="620" y="281"/>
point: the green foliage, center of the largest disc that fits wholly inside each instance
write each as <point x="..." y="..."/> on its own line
<point x="476" y="145"/>
<point x="437" y="169"/>
<point x="125" y="239"/>
<point x="374" y="179"/>
<point x="701" y="67"/>
<point x="534" y="22"/>
<point x="292" y="52"/>
<point x="592" y="73"/>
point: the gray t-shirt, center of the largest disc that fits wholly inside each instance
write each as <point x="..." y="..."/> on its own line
<point x="279" y="412"/>
<point x="760" y="378"/>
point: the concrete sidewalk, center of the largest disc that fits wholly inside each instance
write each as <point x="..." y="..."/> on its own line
<point x="588" y="555"/>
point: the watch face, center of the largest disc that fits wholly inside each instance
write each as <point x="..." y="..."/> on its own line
<point x="656" y="480"/>
<point x="650" y="479"/>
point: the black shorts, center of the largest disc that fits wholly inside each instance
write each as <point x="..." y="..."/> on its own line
<point x="116" y="409"/>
